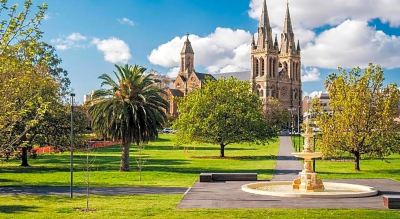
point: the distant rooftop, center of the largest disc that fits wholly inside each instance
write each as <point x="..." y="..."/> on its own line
<point x="243" y="75"/>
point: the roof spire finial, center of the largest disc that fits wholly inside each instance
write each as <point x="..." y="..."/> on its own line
<point x="187" y="36"/>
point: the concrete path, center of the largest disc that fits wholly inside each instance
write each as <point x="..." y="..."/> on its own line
<point x="64" y="190"/>
<point x="287" y="167"/>
<point x="230" y="195"/>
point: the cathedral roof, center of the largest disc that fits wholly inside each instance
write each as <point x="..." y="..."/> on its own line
<point x="203" y="76"/>
<point x="176" y="93"/>
<point x="242" y="76"/>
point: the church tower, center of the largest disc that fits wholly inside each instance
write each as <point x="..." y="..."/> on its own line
<point x="187" y="59"/>
<point x="275" y="69"/>
<point x="264" y="59"/>
<point x="290" y="65"/>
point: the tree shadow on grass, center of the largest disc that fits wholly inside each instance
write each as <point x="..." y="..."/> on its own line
<point x="12" y="209"/>
<point x="243" y="158"/>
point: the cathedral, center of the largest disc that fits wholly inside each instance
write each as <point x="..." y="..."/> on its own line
<point x="275" y="68"/>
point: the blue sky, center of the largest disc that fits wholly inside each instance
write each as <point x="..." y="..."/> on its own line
<point x="91" y="35"/>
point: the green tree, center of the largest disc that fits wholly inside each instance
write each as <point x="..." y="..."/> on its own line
<point x="276" y="115"/>
<point x="130" y="109"/>
<point x="32" y="84"/>
<point x="362" y="115"/>
<point x="223" y="112"/>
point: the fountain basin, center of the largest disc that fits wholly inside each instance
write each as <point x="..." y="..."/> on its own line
<point x="308" y="155"/>
<point x="332" y="190"/>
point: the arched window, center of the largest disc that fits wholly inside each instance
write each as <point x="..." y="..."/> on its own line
<point x="262" y="63"/>
<point x="273" y="67"/>
<point x="256" y="69"/>
<point x="259" y="91"/>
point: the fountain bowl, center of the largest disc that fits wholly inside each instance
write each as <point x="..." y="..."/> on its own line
<point x="332" y="190"/>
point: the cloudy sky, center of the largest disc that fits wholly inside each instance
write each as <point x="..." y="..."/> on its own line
<point x="93" y="35"/>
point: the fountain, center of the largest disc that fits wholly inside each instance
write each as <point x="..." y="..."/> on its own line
<point x="307" y="184"/>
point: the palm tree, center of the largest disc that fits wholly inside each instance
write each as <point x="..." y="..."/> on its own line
<point x="129" y="109"/>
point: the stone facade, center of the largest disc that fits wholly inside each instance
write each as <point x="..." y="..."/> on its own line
<point x="187" y="80"/>
<point x="275" y="69"/>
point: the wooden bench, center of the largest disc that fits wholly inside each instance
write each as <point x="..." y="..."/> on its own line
<point x="391" y="201"/>
<point x="221" y="177"/>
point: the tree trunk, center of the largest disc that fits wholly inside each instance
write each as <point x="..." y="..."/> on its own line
<point x="125" y="157"/>
<point x="357" y="161"/>
<point x="24" y="157"/>
<point x="222" y="150"/>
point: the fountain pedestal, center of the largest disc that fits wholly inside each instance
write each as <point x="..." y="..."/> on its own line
<point x="307" y="179"/>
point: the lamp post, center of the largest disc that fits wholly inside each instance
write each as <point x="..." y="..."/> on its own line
<point x="315" y="139"/>
<point x="298" y="127"/>
<point x="71" y="147"/>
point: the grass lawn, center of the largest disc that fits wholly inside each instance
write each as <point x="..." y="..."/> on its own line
<point x="166" y="165"/>
<point x="156" y="206"/>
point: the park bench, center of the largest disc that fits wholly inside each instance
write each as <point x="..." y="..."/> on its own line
<point x="221" y="177"/>
<point x="391" y="201"/>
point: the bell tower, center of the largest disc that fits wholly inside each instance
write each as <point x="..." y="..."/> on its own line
<point x="290" y="65"/>
<point x="187" y="59"/>
<point x="264" y="59"/>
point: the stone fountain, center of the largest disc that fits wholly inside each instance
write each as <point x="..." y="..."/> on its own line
<point x="307" y="184"/>
<point x="308" y="180"/>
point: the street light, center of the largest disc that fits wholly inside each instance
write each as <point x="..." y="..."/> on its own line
<point x="293" y="138"/>
<point x="71" y="147"/>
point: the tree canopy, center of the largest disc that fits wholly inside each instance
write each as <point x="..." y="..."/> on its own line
<point x="130" y="109"/>
<point x="32" y="83"/>
<point x="223" y="112"/>
<point x="362" y="115"/>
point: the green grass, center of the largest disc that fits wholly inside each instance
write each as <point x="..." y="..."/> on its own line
<point x="166" y="165"/>
<point x="156" y="206"/>
<point x="370" y="169"/>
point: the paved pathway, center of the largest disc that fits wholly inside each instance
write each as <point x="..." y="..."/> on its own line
<point x="64" y="190"/>
<point x="230" y="195"/>
<point x="287" y="167"/>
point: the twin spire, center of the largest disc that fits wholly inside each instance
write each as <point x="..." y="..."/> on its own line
<point x="265" y="40"/>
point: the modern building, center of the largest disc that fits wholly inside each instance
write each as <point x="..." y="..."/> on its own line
<point x="323" y="99"/>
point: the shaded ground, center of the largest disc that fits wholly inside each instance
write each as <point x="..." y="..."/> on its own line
<point x="63" y="190"/>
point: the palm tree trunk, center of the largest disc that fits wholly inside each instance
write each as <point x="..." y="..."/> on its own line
<point x="125" y="157"/>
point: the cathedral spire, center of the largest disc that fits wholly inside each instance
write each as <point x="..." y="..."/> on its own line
<point x="187" y="47"/>
<point x="187" y="59"/>
<point x="264" y="30"/>
<point x="264" y="20"/>
<point x="287" y="28"/>
<point x="288" y="44"/>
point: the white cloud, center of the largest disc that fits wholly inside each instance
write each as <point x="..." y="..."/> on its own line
<point x="353" y="43"/>
<point x="312" y="94"/>
<point x="75" y="37"/>
<point x="310" y="74"/>
<point x="316" y="13"/>
<point x="126" y="21"/>
<point x="114" y="50"/>
<point x="173" y="72"/>
<point x="74" y="40"/>
<point x="223" y="50"/>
